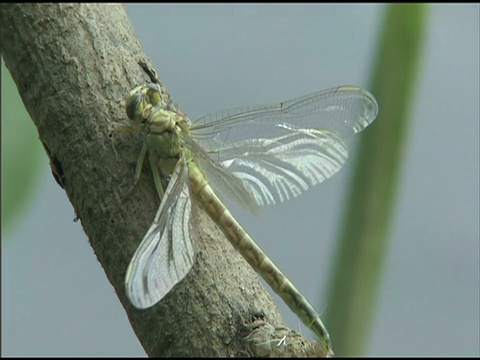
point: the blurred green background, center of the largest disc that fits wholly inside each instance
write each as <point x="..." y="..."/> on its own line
<point x="22" y="153"/>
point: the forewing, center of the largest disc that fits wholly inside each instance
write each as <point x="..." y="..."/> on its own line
<point x="280" y="150"/>
<point x="166" y="253"/>
<point x="344" y="110"/>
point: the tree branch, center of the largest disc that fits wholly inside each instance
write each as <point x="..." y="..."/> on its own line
<point x="73" y="65"/>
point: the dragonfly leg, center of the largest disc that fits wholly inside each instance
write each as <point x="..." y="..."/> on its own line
<point x="119" y="127"/>
<point x="138" y="172"/>
<point x="156" y="176"/>
<point x="140" y="162"/>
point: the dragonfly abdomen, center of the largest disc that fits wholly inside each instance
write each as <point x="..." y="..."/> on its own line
<point x="255" y="256"/>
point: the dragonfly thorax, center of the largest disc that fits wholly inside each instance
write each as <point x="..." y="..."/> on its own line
<point x="165" y="146"/>
<point x="164" y="133"/>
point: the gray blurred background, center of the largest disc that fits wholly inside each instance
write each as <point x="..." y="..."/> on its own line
<point x="56" y="300"/>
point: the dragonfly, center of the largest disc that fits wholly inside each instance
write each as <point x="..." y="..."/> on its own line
<point x="296" y="144"/>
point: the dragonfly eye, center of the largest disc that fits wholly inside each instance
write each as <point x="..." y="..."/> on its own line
<point x="135" y="106"/>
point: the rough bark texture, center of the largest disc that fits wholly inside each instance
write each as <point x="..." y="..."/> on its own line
<point x="73" y="65"/>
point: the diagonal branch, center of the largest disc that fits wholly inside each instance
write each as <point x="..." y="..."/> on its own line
<point x="73" y="65"/>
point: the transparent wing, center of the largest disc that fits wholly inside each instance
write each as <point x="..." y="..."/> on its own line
<point x="225" y="183"/>
<point x="343" y="110"/>
<point x="166" y="253"/>
<point x="278" y="151"/>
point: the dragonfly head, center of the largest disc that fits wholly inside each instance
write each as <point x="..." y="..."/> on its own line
<point x="141" y="99"/>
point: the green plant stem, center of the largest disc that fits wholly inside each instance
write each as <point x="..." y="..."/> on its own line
<point x="363" y="239"/>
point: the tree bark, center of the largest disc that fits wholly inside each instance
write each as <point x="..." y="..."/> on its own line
<point x="73" y="65"/>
